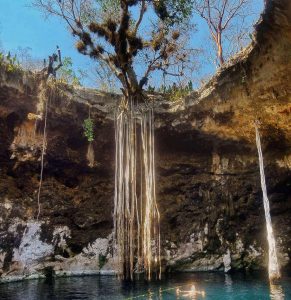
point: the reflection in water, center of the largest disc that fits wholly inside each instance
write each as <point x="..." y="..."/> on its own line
<point x="150" y="295"/>
<point x="217" y="286"/>
<point x="228" y="283"/>
<point x="193" y="293"/>
<point x="276" y="292"/>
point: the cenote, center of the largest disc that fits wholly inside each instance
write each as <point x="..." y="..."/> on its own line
<point x="145" y="149"/>
<point x="216" y="286"/>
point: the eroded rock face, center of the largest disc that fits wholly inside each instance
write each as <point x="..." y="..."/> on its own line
<point x="208" y="182"/>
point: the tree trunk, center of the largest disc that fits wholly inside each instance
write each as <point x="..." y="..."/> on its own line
<point x="219" y="49"/>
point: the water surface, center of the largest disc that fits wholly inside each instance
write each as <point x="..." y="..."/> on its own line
<point x="214" y="286"/>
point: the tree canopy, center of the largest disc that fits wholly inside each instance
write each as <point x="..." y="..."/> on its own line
<point x="122" y="33"/>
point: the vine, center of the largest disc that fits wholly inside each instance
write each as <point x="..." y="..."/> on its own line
<point x="88" y="126"/>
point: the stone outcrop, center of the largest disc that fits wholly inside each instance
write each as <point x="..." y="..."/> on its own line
<point x="208" y="181"/>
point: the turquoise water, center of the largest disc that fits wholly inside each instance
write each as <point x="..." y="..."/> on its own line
<point x="215" y="286"/>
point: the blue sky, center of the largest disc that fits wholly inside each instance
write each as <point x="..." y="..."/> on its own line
<point x="23" y="26"/>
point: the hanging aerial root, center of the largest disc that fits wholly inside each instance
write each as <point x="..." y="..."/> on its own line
<point x="274" y="272"/>
<point x="136" y="215"/>
<point x="44" y="144"/>
<point x="90" y="156"/>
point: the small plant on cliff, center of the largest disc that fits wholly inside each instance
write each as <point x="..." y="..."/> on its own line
<point x="1" y="58"/>
<point x="10" y="63"/>
<point x="174" y="92"/>
<point x="177" y="93"/>
<point x="88" y="126"/>
<point x="67" y="74"/>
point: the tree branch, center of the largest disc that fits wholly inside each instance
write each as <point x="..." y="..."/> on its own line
<point x="234" y="12"/>
<point x="142" y="11"/>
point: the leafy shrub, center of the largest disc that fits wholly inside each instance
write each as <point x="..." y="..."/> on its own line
<point x="88" y="126"/>
<point x="11" y="64"/>
<point x="174" y="92"/>
<point x="66" y="73"/>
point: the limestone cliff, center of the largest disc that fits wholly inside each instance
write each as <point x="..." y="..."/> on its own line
<point x="207" y="167"/>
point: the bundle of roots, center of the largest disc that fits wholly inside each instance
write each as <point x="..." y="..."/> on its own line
<point x="136" y="215"/>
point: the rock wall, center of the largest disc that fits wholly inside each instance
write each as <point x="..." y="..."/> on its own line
<point x="208" y="182"/>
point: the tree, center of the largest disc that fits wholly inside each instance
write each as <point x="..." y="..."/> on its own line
<point x="114" y="38"/>
<point x="225" y="19"/>
<point x="134" y="39"/>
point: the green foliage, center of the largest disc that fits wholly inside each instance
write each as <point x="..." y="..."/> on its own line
<point x="1" y="58"/>
<point x="171" y="11"/>
<point x="178" y="94"/>
<point x="10" y="63"/>
<point x="102" y="261"/>
<point x="88" y="126"/>
<point x="66" y="73"/>
<point x="151" y="88"/>
<point x="109" y="6"/>
<point x="179" y="11"/>
<point x="174" y="92"/>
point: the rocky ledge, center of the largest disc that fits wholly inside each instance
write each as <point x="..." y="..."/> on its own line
<point x="208" y="183"/>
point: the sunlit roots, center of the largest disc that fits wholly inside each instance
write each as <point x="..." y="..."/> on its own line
<point x="90" y="155"/>
<point x="276" y="292"/>
<point x="136" y="215"/>
<point x="274" y="272"/>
